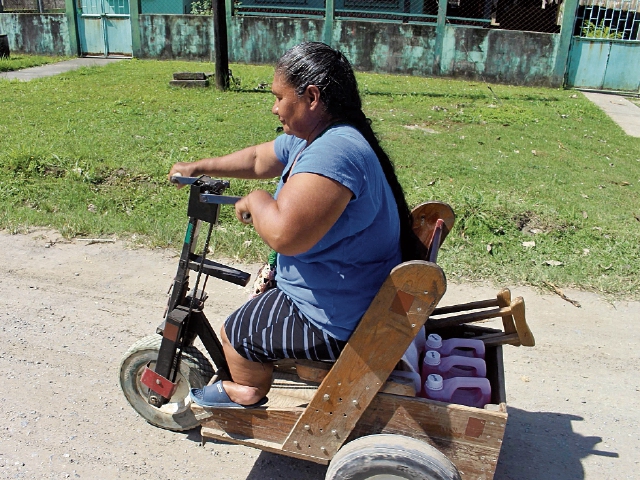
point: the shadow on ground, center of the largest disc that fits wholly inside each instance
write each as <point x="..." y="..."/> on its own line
<point x="543" y="445"/>
<point x="270" y="466"/>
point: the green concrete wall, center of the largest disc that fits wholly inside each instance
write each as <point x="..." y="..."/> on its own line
<point x="374" y="47"/>
<point x="264" y="39"/>
<point x="502" y="56"/>
<point x="387" y="47"/>
<point x="499" y="56"/>
<point x="37" y="33"/>
<point x="185" y="37"/>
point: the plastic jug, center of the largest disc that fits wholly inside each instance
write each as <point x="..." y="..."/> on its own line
<point x="465" y="347"/>
<point x="469" y="391"/>
<point x="452" y="366"/>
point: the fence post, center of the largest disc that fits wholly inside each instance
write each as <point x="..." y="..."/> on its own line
<point x="136" y="36"/>
<point x="72" y="25"/>
<point x="221" y="45"/>
<point x="329" y="17"/>
<point x="440" y="32"/>
<point x="564" y="43"/>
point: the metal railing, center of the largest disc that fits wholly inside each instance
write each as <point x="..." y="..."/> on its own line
<point x="609" y="19"/>
<point x="536" y="16"/>
<point x="619" y="18"/>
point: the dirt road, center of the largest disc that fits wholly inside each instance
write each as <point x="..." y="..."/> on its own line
<point x="69" y="310"/>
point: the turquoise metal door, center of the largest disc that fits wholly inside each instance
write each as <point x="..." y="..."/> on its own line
<point x="604" y="64"/>
<point x="605" y="51"/>
<point x="104" y="27"/>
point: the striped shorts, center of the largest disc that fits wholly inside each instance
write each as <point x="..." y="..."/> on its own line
<point x="270" y="327"/>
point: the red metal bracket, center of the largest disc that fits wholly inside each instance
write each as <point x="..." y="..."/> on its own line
<point x="158" y="383"/>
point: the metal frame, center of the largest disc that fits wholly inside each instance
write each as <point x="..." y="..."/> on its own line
<point x="184" y="319"/>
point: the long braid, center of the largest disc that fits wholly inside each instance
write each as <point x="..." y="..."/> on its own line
<point x="408" y="240"/>
<point x="314" y="63"/>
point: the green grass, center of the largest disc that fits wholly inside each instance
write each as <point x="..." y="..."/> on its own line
<point x="87" y="153"/>
<point x="18" y="62"/>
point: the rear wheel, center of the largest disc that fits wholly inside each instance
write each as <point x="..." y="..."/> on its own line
<point x="195" y="372"/>
<point x="390" y="457"/>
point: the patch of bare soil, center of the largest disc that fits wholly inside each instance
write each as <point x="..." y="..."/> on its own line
<point x="69" y="310"/>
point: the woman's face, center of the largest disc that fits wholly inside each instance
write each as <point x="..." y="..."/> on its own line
<point x="294" y="112"/>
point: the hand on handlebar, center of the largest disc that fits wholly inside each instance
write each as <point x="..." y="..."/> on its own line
<point x="242" y="211"/>
<point x="181" y="169"/>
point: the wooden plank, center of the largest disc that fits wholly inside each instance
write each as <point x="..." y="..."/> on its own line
<point x="216" y="434"/>
<point x="395" y="316"/>
<point x="455" y="320"/>
<point x="312" y="371"/>
<point x="492" y="302"/>
<point x="316" y="371"/>
<point x="268" y="424"/>
<point x="422" y="418"/>
<point x="411" y="416"/>
<point x="289" y="391"/>
<point x="470" y="437"/>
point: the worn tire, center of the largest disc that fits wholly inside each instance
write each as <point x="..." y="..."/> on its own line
<point x="195" y="372"/>
<point x="390" y="457"/>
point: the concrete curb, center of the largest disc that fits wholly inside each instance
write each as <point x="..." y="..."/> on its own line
<point x="619" y="109"/>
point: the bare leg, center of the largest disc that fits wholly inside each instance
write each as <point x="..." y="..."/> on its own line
<point x="251" y="380"/>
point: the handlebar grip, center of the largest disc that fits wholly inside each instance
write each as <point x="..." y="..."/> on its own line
<point x="246" y="217"/>
<point x="178" y="179"/>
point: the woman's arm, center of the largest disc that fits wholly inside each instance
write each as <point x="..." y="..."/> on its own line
<point x="308" y="205"/>
<point x="257" y="162"/>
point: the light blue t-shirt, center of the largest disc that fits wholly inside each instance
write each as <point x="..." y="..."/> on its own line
<point x="335" y="281"/>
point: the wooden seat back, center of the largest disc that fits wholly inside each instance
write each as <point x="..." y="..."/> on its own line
<point x="432" y="222"/>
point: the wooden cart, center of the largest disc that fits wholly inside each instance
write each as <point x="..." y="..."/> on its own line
<point x="355" y="414"/>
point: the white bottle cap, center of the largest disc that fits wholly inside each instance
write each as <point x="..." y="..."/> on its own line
<point x="434" y="382"/>
<point x="434" y="341"/>
<point x="432" y="358"/>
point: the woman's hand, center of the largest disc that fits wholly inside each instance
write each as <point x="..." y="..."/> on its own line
<point x="242" y="211"/>
<point x="182" y="169"/>
<point x="255" y="200"/>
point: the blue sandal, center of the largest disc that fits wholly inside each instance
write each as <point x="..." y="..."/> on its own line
<point x="215" y="396"/>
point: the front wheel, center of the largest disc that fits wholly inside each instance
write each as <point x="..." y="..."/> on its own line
<point x="195" y="372"/>
<point x="390" y="457"/>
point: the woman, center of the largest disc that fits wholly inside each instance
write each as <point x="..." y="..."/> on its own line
<point x="338" y="220"/>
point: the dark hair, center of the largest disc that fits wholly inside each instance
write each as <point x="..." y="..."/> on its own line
<point x="314" y="63"/>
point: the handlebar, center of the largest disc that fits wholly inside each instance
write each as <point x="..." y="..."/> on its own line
<point x="213" y="189"/>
